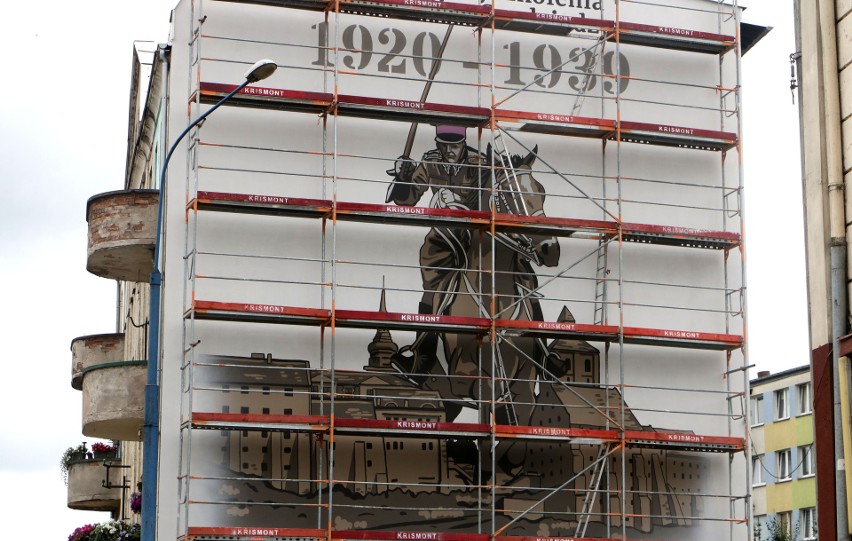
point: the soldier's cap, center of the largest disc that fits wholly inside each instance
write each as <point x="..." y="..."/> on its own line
<point x="450" y="134"/>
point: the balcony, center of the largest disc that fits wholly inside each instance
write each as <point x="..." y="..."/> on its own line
<point x="122" y="227"/>
<point x="93" y="350"/>
<point x="113" y="388"/>
<point x="86" y="477"/>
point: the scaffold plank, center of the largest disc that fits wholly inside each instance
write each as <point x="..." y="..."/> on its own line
<point x="267" y="98"/>
<point x="680" y="236"/>
<point x="267" y="313"/>
<point x="432" y="217"/>
<point x="677" y="136"/>
<point x="414" y="427"/>
<point x="404" y="110"/>
<point x="548" y="23"/>
<point x="372" y="535"/>
<point x="558" y="124"/>
<point x="252" y="533"/>
<point x="402" y="321"/>
<point x="261" y="204"/>
<point x="310" y="5"/>
<point x="578" y="436"/>
<point x="536" y="538"/>
<point x="680" y="39"/>
<point x="258" y="313"/>
<point x="273" y="422"/>
<point x="683" y="440"/>
<point x="631" y="335"/>
<point x="421" y="10"/>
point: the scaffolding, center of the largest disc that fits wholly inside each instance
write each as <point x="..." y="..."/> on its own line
<point x="529" y="421"/>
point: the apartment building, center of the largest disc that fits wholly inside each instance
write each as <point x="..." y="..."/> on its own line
<point x="783" y="464"/>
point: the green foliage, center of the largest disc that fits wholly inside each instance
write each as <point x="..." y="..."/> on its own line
<point x="70" y="456"/>
<point x="777" y="530"/>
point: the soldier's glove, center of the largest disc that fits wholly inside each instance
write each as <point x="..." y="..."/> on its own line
<point x="403" y="168"/>
<point x="445" y="198"/>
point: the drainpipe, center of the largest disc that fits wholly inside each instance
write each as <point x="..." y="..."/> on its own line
<point x="837" y="227"/>
<point x="151" y="426"/>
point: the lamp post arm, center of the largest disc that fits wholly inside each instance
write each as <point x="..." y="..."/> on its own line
<point x="180" y="137"/>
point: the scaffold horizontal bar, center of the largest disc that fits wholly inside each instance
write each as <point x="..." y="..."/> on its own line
<point x="268" y="313"/>
<point x="402" y="110"/>
<point x="431" y="217"/>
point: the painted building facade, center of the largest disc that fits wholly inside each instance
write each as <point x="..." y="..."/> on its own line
<point x="783" y="460"/>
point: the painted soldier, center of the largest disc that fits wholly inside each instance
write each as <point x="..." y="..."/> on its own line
<point x="453" y="175"/>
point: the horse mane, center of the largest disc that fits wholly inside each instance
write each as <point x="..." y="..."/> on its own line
<point x="517" y="160"/>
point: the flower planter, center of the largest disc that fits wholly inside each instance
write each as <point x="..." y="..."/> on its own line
<point x="85" y="486"/>
<point x="114" y="400"/>
<point x="93" y="350"/>
<point x="122" y="227"/>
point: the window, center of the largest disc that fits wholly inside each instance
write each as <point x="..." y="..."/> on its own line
<point x="757" y="410"/>
<point x="803" y="393"/>
<point x="783" y="471"/>
<point x="782" y="406"/>
<point x="785" y="523"/>
<point x="806" y="457"/>
<point x="757" y="471"/>
<point x="807" y="523"/>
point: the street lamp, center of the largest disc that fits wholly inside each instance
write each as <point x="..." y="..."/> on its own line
<point x="150" y="439"/>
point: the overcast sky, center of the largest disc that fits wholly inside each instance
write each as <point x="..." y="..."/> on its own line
<point x="63" y="129"/>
